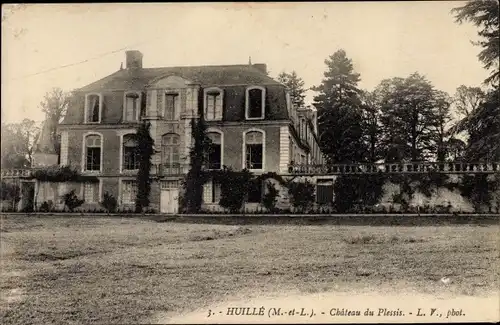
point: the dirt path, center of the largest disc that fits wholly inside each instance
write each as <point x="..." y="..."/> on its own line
<point x="343" y="307"/>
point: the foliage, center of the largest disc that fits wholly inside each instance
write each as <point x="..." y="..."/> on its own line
<point x="484" y="14"/>
<point x="483" y="122"/>
<point x="483" y="126"/>
<point x="302" y="195"/>
<point x="18" y="140"/>
<point x="295" y="85"/>
<point x="10" y="192"/>
<point x="109" y="202"/>
<point x="410" y="117"/>
<point x="478" y="189"/>
<point x="145" y="150"/>
<point x="370" y="125"/>
<point x="467" y="99"/>
<point x="61" y="174"/>
<point x="270" y="198"/>
<point x="234" y="187"/>
<point x="354" y="190"/>
<point x="47" y="206"/>
<point x="272" y="175"/>
<point x="55" y="104"/>
<point x="72" y="201"/>
<point x="196" y="177"/>
<point x="440" y="128"/>
<point x="339" y="111"/>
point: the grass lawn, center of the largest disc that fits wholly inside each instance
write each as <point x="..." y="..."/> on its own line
<point x="109" y="270"/>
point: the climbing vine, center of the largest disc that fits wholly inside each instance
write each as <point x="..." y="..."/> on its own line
<point x="357" y="190"/>
<point x="61" y="174"/>
<point x="196" y="176"/>
<point x="145" y="150"/>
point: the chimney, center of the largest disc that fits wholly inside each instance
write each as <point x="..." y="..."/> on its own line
<point x="260" y="66"/>
<point x="133" y="59"/>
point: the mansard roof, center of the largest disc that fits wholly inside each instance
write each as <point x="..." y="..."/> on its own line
<point x="221" y="75"/>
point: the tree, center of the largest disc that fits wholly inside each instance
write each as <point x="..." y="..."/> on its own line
<point x="443" y="117"/>
<point x="484" y="14"/>
<point x="339" y="112"/>
<point x="483" y="126"/>
<point x="371" y="124"/>
<point x="295" y="85"/>
<point x="54" y="105"/>
<point x="145" y="150"/>
<point x="18" y="141"/>
<point x="466" y="101"/>
<point x="409" y="117"/>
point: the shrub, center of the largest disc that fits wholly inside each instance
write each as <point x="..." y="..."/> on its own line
<point x="351" y="190"/>
<point x="10" y="192"/>
<point x="47" y="206"/>
<point x="302" y="195"/>
<point x="72" y="201"/>
<point x="109" y="203"/>
<point x="234" y="188"/>
<point x="270" y="198"/>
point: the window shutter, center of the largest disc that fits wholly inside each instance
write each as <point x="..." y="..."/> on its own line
<point x="143" y="104"/>
<point x="218" y="107"/>
<point x="177" y="107"/>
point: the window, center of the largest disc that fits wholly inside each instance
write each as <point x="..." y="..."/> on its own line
<point x="254" y="150"/>
<point x="93" y="108"/>
<point x="93" y="153"/>
<point x="170" y="112"/>
<point x="130" y="153"/>
<point x="215" y="150"/>
<point x="213" y="104"/>
<point x="255" y="102"/>
<point x="91" y="192"/>
<point x="170" y="149"/>
<point x="132" y="106"/>
<point x="211" y="192"/>
<point x="170" y="184"/>
<point x="255" y="192"/>
<point x="129" y="191"/>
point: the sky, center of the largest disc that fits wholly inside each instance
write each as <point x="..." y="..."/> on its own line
<point x="69" y="46"/>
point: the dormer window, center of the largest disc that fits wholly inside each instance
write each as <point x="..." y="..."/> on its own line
<point x="213" y="104"/>
<point x="93" y="105"/>
<point x="170" y="107"/>
<point x="132" y="106"/>
<point x="255" y="103"/>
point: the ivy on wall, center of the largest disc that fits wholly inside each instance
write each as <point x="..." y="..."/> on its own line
<point x="145" y="150"/>
<point x="61" y="174"/>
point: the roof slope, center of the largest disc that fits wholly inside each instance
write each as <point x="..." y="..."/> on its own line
<point x="204" y="75"/>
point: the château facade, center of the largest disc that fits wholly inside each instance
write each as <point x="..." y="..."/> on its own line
<point x="250" y="120"/>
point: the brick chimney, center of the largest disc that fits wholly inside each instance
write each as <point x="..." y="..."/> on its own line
<point x="260" y="66"/>
<point x="133" y="59"/>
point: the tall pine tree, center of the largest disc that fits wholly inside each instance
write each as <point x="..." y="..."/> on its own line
<point x="339" y="112"/>
<point x="295" y="85"/>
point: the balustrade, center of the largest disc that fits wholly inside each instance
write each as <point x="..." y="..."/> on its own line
<point x="395" y="168"/>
